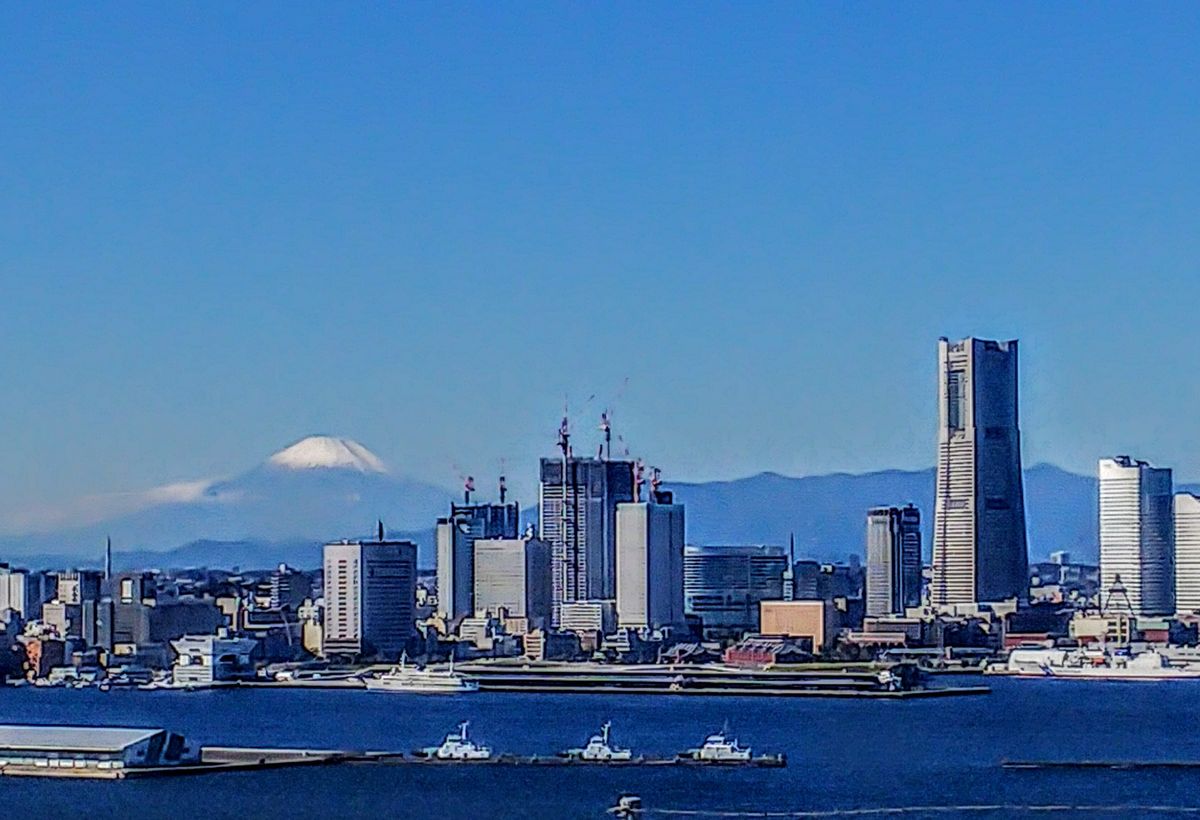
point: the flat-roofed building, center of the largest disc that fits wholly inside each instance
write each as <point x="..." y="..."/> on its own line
<point x="90" y="747"/>
<point x="513" y="575"/>
<point x="14" y="596"/>
<point x="456" y="536"/>
<point x="1137" y="537"/>
<point x="370" y="597"/>
<point x="893" y="560"/>
<point x="795" y="619"/>
<point x="650" y="564"/>
<point x="723" y="584"/>
<point x="1187" y="552"/>
<point x="205" y="659"/>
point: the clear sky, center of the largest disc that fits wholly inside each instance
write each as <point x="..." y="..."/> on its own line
<point x="422" y="225"/>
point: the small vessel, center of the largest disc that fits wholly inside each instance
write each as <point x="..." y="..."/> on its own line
<point x="719" y="748"/>
<point x="628" y="805"/>
<point x="457" y="746"/>
<point x="405" y="678"/>
<point x="599" y="749"/>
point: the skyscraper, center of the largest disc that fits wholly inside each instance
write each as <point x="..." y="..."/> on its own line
<point x="578" y="520"/>
<point x="650" y="563"/>
<point x="370" y="597"/>
<point x="1137" y="536"/>
<point x="513" y="574"/>
<point x="979" y="549"/>
<point x="456" y="537"/>
<point x="14" y="585"/>
<point x="1187" y="552"/>
<point x="893" y="560"/>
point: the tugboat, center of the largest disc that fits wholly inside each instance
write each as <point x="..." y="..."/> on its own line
<point x="456" y="746"/>
<point x="598" y="749"/>
<point x="718" y="748"/>
<point x="404" y="678"/>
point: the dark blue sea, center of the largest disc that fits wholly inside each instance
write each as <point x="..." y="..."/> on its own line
<point x="843" y="755"/>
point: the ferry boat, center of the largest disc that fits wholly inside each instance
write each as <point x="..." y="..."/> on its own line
<point x="457" y="746"/>
<point x="1093" y="665"/>
<point x="599" y="749"/>
<point x="405" y="678"/>
<point x="718" y="748"/>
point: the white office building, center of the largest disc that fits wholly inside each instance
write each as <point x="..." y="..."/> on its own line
<point x="13" y="587"/>
<point x="512" y="575"/>
<point x="650" y="564"/>
<point x="1187" y="552"/>
<point x="893" y="560"/>
<point x="1137" y="543"/>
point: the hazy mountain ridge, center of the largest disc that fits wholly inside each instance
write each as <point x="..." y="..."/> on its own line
<point x="324" y="488"/>
<point x="827" y="513"/>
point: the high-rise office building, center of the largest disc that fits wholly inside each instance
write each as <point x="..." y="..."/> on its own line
<point x="650" y="563"/>
<point x="14" y="597"/>
<point x="979" y="548"/>
<point x="456" y="537"/>
<point x="513" y="575"/>
<point x="1187" y="552"/>
<point x="77" y="586"/>
<point x="370" y="597"/>
<point x="1137" y="537"/>
<point x="893" y="560"/>
<point x="578" y="512"/>
<point x="723" y="585"/>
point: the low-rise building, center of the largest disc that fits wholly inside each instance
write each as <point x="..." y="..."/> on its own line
<point x="795" y="619"/>
<point x="207" y="659"/>
<point x="90" y="747"/>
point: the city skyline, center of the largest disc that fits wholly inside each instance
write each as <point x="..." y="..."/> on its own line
<point x="580" y="410"/>
<point x="180" y="302"/>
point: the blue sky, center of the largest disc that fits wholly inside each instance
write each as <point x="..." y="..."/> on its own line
<point x="223" y="228"/>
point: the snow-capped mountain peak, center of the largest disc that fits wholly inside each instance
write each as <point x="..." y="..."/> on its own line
<point x="317" y="452"/>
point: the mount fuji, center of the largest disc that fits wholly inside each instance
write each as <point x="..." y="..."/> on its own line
<point x="316" y="489"/>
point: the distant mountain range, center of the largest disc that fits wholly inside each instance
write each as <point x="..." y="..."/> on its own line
<point x="317" y="489"/>
<point x="324" y="487"/>
<point x="827" y="513"/>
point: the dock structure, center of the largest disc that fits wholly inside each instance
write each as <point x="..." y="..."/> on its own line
<point x="117" y="753"/>
<point x="1110" y="765"/>
<point x="657" y="679"/>
<point x="110" y="753"/>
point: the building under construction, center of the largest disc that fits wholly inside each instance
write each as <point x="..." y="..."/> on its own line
<point x="579" y="498"/>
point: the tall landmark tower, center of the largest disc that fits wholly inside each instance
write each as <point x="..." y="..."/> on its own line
<point x="979" y="549"/>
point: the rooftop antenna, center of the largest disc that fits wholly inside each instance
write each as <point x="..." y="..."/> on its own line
<point x="565" y="532"/>
<point x="108" y="558"/>
<point x="468" y="488"/>
<point x="564" y="435"/>
<point x="606" y="428"/>
<point x="380" y="523"/>
<point x="503" y="484"/>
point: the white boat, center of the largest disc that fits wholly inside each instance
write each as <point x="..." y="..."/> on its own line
<point x="1093" y="665"/>
<point x="599" y="749"/>
<point x="457" y="746"/>
<point x="405" y="678"/>
<point x="718" y="748"/>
